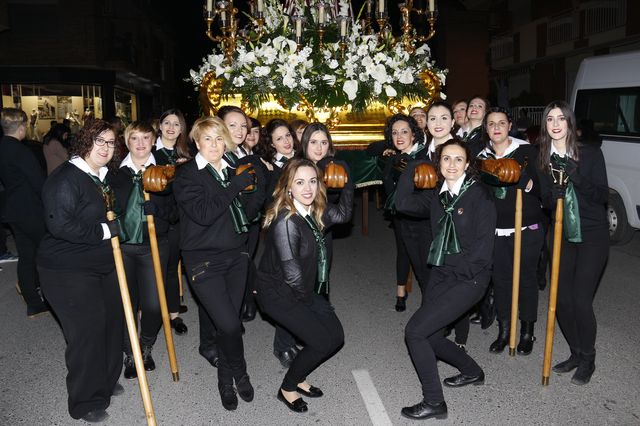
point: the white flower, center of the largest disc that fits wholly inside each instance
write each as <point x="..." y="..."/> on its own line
<point x="350" y="87"/>
<point x="305" y="83"/>
<point x="367" y="61"/>
<point x="405" y="76"/>
<point x="380" y="57"/>
<point x="238" y="81"/>
<point x="390" y="91"/>
<point x="443" y="96"/>
<point x="422" y="50"/>
<point x="262" y="71"/>
<point x="379" y="73"/>
<point x="330" y="79"/>
<point x="362" y="50"/>
<point x="377" y="88"/>
<point x="289" y="81"/>
<point x="363" y="76"/>
<point x="245" y="57"/>
<point x="333" y="64"/>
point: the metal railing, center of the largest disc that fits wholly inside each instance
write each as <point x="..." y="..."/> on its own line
<point x="603" y="16"/>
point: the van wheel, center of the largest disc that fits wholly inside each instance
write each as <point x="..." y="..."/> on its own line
<point x="620" y="232"/>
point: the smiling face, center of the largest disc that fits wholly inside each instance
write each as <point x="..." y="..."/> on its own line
<point x="253" y="136"/>
<point x="237" y="125"/>
<point x="210" y="145"/>
<point x="402" y="136"/>
<point x="170" y="128"/>
<point x="460" y="113"/>
<point x="282" y="141"/>
<point x="498" y="127"/>
<point x="304" y="187"/>
<point x="99" y="156"/>
<point x="139" y="145"/>
<point x="556" y="125"/>
<point x="318" y="146"/>
<point x="439" y="122"/>
<point x="453" y="163"/>
<point x="476" y="111"/>
<point x="420" y="116"/>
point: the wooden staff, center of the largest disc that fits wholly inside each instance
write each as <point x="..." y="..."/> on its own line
<point x="180" y="281"/>
<point x="515" y="288"/>
<point x="553" y="292"/>
<point x="155" y="183"/>
<point x="131" y="327"/>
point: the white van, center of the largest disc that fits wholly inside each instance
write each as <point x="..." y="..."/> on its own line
<point x="607" y="91"/>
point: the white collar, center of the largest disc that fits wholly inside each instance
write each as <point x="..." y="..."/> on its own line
<point x="160" y="145"/>
<point x="514" y="143"/>
<point x="301" y="208"/>
<point x="128" y="162"/>
<point x="432" y="144"/>
<point x="277" y="159"/>
<point x="455" y="190"/>
<point x="555" y="151"/>
<point x="240" y="152"/>
<point x="82" y="165"/>
<point x="202" y="163"/>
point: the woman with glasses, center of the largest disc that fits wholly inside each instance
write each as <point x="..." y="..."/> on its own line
<point x="77" y="271"/>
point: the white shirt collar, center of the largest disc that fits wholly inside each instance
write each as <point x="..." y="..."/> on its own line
<point x="455" y="189"/>
<point x="513" y="145"/>
<point x="301" y="208"/>
<point x="202" y="163"/>
<point x="82" y="165"/>
<point x="555" y="151"/>
<point x="160" y="145"/>
<point x="277" y="159"/>
<point x="432" y="144"/>
<point x="240" y="152"/>
<point x="128" y="162"/>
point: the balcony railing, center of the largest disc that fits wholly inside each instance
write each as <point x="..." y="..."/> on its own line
<point x="502" y="49"/>
<point x="601" y="16"/>
<point x="562" y="30"/>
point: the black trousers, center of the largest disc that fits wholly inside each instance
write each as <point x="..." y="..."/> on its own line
<point x="402" y="257"/>
<point x="315" y="325"/>
<point x="532" y="241"/>
<point x="218" y="281"/>
<point x="89" y="308"/>
<point x="417" y="240"/>
<point x="171" y="283"/>
<point x="444" y="300"/>
<point x="282" y="339"/>
<point x="143" y="289"/>
<point x="254" y="238"/>
<point x="28" y="235"/>
<point x="581" y="267"/>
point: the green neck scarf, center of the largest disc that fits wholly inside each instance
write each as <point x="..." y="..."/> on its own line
<point x="472" y="134"/>
<point x="446" y="240"/>
<point x="390" y="204"/>
<point x="238" y="215"/>
<point x="571" y="217"/>
<point x="171" y="154"/>
<point x="134" y="217"/>
<point x="231" y="158"/>
<point x="499" y="190"/>
<point x="322" y="277"/>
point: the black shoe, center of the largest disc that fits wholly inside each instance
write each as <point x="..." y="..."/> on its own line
<point x="426" y="410"/>
<point x="286" y="357"/>
<point x="228" y="397"/>
<point x="179" y="326"/>
<point x="147" y="359"/>
<point x="583" y="374"/>
<point x="475" y="319"/>
<point x="401" y="303"/>
<point x="568" y="365"/>
<point x="249" y="312"/>
<point x="129" y="368"/>
<point x="117" y="390"/>
<point x="299" y="406"/>
<point x="313" y="392"/>
<point x="245" y="389"/>
<point x="95" y="416"/>
<point x="183" y="309"/>
<point x="464" y="380"/>
<point x="525" y="346"/>
<point x="37" y="309"/>
<point x="210" y="355"/>
<point x="503" y="337"/>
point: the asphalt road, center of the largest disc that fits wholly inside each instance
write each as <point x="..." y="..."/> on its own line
<point x="368" y="381"/>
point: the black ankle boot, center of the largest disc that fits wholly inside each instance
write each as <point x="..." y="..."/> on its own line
<point x="585" y="369"/>
<point x="129" y="368"/>
<point x="503" y="337"/>
<point x="401" y="303"/>
<point x="147" y="359"/>
<point x="569" y="364"/>
<point x="249" y="309"/>
<point x="525" y="346"/>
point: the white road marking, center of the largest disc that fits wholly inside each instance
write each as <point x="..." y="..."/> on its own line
<point x="377" y="412"/>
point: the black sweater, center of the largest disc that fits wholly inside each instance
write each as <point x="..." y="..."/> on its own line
<point x="289" y="263"/>
<point x="74" y="211"/>
<point x="206" y="226"/>
<point x="592" y="191"/>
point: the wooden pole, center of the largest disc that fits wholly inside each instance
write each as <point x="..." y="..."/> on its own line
<point x="131" y="327"/>
<point x="515" y="288"/>
<point x="553" y="292"/>
<point x="168" y="334"/>
<point x="180" y="285"/>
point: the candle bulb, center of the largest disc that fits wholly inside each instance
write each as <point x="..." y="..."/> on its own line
<point x="260" y="6"/>
<point x="298" y="27"/>
<point x="343" y="27"/>
<point x="321" y="13"/>
<point x="432" y="5"/>
<point x="209" y="5"/>
<point x="369" y="6"/>
<point x="381" y="6"/>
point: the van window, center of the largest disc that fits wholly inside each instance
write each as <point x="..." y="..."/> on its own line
<point x="613" y="111"/>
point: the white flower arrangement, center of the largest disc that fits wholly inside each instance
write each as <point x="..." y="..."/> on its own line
<point x="372" y="67"/>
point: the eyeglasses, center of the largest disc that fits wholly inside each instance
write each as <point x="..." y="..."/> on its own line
<point x="100" y="142"/>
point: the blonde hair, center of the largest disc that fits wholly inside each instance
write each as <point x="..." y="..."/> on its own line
<point x="138" y="126"/>
<point x="214" y="124"/>
<point x="283" y="200"/>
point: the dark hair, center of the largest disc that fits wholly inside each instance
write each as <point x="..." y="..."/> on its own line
<point x="57" y="133"/>
<point x="265" y="147"/>
<point x="226" y="109"/>
<point x="544" y="140"/>
<point x="487" y="104"/>
<point x="415" y="129"/>
<point x="471" y="170"/>
<point x="254" y="123"/>
<point x="442" y="104"/>
<point x="82" y="143"/>
<point x="493" y="110"/>
<point x="182" y="144"/>
<point x="306" y="136"/>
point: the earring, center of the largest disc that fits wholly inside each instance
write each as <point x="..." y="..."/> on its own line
<point x="289" y="193"/>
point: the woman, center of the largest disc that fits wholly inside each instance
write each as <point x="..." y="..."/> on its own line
<point x="463" y="220"/>
<point x="55" y="146"/>
<point x="293" y="262"/>
<point x="498" y="123"/>
<point x="585" y="243"/>
<point x="172" y="148"/>
<point x="420" y="115"/>
<point x="236" y="121"/>
<point x="412" y="234"/>
<point x="128" y="187"/>
<point x="214" y="217"/>
<point x="253" y="135"/>
<point x="298" y="127"/>
<point x="77" y="273"/>
<point x="476" y="110"/>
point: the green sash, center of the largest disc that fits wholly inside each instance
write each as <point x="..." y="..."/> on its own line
<point x="171" y="154"/>
<point x="322" y="277"/>
<point x="472" y="133"/>
<point x="571" y="214"/>
<point x="134" y="217"/>
<point x="238" y="215"/>
<point x="446" y="240"/>
<point x="390" y="204"/>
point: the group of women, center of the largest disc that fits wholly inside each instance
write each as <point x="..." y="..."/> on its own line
<point x="237" y="178"/>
